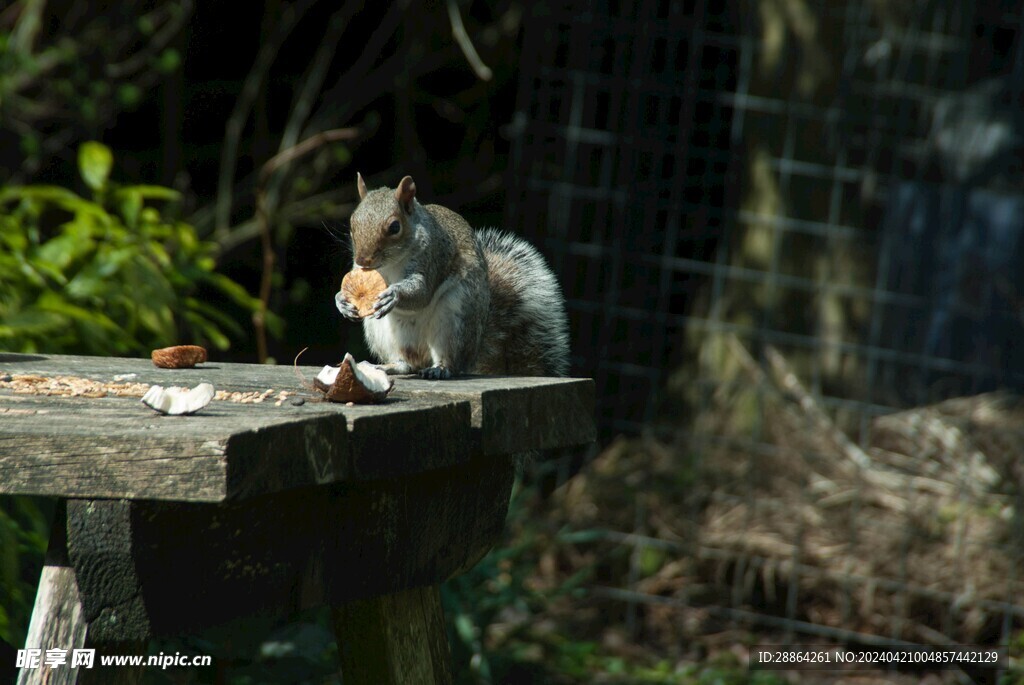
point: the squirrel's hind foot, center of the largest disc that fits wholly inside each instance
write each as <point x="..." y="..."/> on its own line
<point x="436" y="373"/>
<point x="398" y="368"/>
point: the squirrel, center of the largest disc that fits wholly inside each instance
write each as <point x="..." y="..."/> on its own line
<point x="458" y="301"/>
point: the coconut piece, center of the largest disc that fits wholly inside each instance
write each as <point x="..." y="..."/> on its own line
<point x="361" y="287"/>
<point x="177" y="401"/>
<point x="179" y="356"/>
<point x="362" y="383"/>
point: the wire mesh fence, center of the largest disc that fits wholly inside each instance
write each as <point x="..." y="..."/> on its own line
<point x="790" y="235"/>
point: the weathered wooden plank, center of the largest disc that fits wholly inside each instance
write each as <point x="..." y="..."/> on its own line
<point x="555" y="412"/>
<point x="519" y="414"/>
<point x="99" y="547"/>
<point x="223" y="375"/>
<point x="276" y="554"/>
<point x="392" y="639"/>
<point x="118" y="448"/>
<point x="94" y="466"/>
<point x="59" y="622"/>
<point x="115" y="447"/>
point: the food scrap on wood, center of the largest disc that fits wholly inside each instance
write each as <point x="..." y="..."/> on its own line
<point x="178" y="401"/>
<point x="178" y="356"/>
<point x="361" y="383"/>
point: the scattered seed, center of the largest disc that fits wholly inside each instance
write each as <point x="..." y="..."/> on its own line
<point x="76" y="386"/>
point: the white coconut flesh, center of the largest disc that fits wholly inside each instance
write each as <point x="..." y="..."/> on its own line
<point x="373" y="379"/>
<point x="328" y="375"/>
<point x="178" y="401"/>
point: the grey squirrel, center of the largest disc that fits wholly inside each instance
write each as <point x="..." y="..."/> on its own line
<point x="458" y="300"/>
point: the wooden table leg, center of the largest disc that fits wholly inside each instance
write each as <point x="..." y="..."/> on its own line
<point x="58" y="623"/>
<point x="397" y="638"/>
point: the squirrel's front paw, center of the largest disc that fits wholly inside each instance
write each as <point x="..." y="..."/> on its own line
<point x="436" y="373"/>
<point x="386" y="301"/>
<point x="347" y="309"/>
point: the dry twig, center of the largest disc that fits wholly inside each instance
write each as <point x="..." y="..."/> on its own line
<point x="483" y="72"/>
<point x="290" y="16"/>
<point x="263" y="220"/>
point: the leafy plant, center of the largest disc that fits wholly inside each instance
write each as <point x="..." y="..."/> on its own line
<point x="24" y="531"/>
<point x="111" y="274"/>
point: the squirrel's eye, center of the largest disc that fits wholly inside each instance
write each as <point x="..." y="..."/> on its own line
<point x="394" y="227"/>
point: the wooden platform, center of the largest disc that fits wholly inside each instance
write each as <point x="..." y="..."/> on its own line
<point x="172" y="524"/>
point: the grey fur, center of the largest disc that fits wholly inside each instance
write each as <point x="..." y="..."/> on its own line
<point x="527" y="328"/>
<point x="458" y="301"/>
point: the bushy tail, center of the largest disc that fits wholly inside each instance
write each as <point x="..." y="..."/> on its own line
<point x="528" y="331"/>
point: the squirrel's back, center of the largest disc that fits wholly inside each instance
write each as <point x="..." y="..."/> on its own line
<point x="527" y="328"/>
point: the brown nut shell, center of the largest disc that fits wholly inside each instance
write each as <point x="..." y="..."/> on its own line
<point x="179" y="356"/>
<point x="347" y="387"/>
<point x="361" y="287"/>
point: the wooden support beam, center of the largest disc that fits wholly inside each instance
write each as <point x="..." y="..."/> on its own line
<point x="59" y="623"/>
<point x="394" y="639"/>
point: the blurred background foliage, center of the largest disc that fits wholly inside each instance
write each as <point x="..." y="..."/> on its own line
<point x="153" y="82"/>
<point x="111" y="274"/>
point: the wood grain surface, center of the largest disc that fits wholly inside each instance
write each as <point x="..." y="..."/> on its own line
<point x="115" y="447"/>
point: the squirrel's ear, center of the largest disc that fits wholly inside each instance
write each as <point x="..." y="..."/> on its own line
<point x="405" y="192"/>
<point x="361" y="185"/>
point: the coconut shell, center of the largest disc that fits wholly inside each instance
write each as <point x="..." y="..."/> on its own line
<point x="361" y="287"/>
<point x="179" y="356"/>
<point x="347" y="388"/>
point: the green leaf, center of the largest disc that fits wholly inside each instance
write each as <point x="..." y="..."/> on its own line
<point x="168" y="60"/>
<point x="10" y="267"/>
<point x="15" y="240"/>
<point x="101" y="278"/>
<point x="577" y="537"/>
<point x="130" y="204"/>
<point x="95" y="161"/>
<point x="151" y="192"/>
<point x="208" y="330"/>
<point x="32" y="275"/>
<point x="129" y="95"/>
<point x="342" y="154"/>
<point x="41" y="270"/>
<point x="158" y="323"/>
<point x="274" y="323"/>
<point x="163" y="260"/>
<point x="215" y="315"/>
<point x="30" y="322"/>
<point x="234" y="291"/>
<point x="95" y="278"/>
<point x="157" y="288"/>
<point x="465" y="627"/>
<point x="651" y="560"/>
<point x="30" y="144"/>
<point x="62" y="250"/>
<point x="62" y="197"/>
<point x="52" y="302"/>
